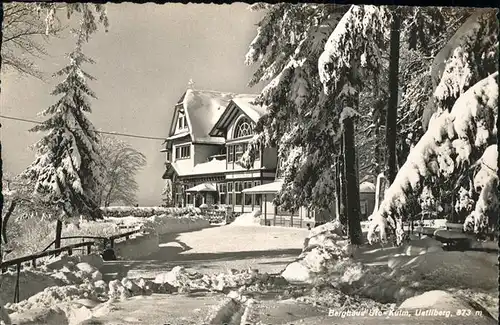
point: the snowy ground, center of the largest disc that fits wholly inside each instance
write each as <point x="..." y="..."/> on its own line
<point x="269" y="299"/>
<point x="217" y="249"/>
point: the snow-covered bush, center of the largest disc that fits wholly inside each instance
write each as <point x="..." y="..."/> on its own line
<point x="144" y="212"/>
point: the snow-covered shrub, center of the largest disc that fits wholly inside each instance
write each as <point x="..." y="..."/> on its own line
<point x="144" y="212"/>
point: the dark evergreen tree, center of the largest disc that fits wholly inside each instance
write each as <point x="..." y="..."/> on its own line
<point x="68" y="168"/>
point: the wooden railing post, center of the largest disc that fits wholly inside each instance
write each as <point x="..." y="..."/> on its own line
<point x="16" y="289"/>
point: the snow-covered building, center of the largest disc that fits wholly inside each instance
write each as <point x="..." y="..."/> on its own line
<point x="208" y="135"/>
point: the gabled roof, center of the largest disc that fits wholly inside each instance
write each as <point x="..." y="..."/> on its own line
<point x="203" y="108"/>
<point x="242" y="103"/>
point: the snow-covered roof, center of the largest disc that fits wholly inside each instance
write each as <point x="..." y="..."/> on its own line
<point x="203" y="108"/>
<point x="205" y="187"/>
<point x="241" y="103"/>
<point x="269" y="188"/>
<point x="178" y="135"/>
<point x="214" y="166"/>
<point x="366" y="187"/>
<point x="255" y="112"/>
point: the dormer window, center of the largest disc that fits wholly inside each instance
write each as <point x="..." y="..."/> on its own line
<point x="243" y="129"/>
<point x="181" y="122"/>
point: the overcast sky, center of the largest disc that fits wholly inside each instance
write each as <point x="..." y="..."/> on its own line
<point x="143" y="65"/>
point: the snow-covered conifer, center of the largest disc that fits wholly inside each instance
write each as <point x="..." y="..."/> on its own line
<point x="289" y="41"/>
<point x="68" y="167"/>
<point x="454" y="141"/>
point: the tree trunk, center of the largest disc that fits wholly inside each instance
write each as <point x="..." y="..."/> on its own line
<point x="3" y="225"/>
<point x="342" y="187"/>
<point x="378" y="120"/>
<point x="1" y="188"/>
<point x="352" y="186"/>
<point x="338" y="192"/>
<point x="392" y="107"/>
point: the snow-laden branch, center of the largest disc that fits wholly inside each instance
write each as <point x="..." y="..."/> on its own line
<point x="454" y="139"/>
<point x="485" y="182"/>
<point x="358" y="38"/>
<point x="470" y="56"/>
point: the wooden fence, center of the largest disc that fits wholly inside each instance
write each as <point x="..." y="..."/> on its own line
<point x="17" y="263"/>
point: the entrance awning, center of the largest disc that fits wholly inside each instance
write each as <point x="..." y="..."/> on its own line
<point x="270" y="188"/>
<point x="205" y="187"/>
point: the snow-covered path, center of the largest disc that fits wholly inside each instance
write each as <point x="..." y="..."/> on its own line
<point x="217" y="249"/>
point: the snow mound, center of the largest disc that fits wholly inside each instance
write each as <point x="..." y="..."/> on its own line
<point x="59" y="271"/>
<point x="179" y="279"/>
<point x="438" y="299"/>
<point x="248" y="219"/>
<point x="334" y="227"/>
<point x="326" y="257"/>
<point x="53" y="296"/>
<point x="406" y="276"/>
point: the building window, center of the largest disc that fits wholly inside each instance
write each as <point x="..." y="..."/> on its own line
<point x="183" y="152"/>
<point x="189" y="198"/>
<point x="257" y="153"/>
<point x="222" y="189"/>
<point x="248" y="197"/>
<point x="181" y="122"/>
<point x="210" y="199"/>
<point x="230" y="193"/>
<point x="239" y="150"/>
<point x="238" y="194"/>
<point x="364" y="208"/>
<point x="230" y="153"/>
<point x="243" y="128"/>
<point x="257" y="198"/>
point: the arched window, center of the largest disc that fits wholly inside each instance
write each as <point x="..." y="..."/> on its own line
<point x="243" y="128"/>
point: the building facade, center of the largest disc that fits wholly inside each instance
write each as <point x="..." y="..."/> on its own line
<point x="209" y="133"/>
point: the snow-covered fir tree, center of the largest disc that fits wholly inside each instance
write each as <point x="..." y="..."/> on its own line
<point x="456" y="137"/>
<point x="289" y="40"/>
<point x="68" y="167"/>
